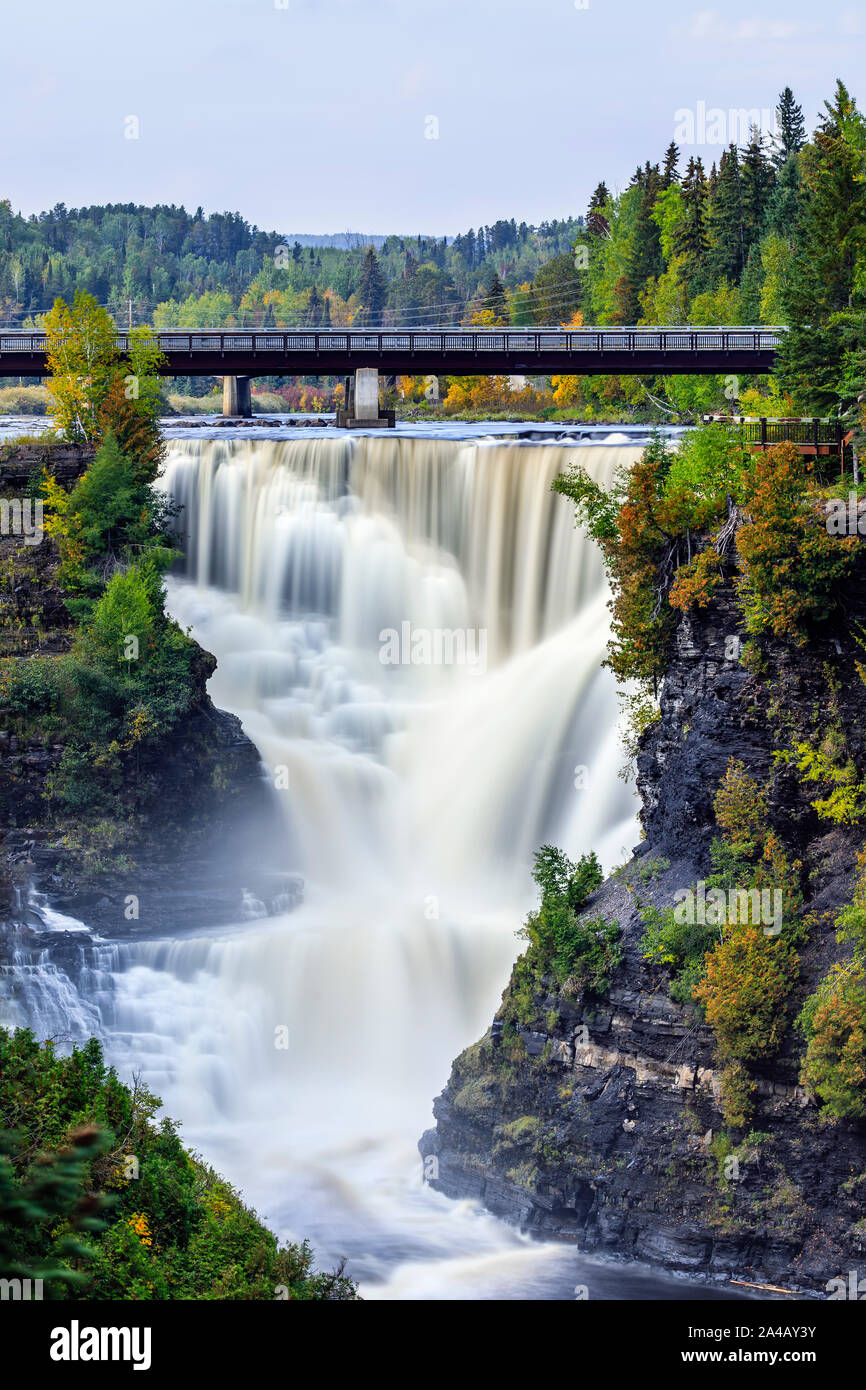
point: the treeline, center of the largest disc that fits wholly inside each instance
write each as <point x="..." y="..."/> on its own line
<point x="171" y="268"/>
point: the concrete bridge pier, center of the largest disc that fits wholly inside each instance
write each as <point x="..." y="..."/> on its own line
<point x="237" y="397"/>
<point x="362" y="411"/>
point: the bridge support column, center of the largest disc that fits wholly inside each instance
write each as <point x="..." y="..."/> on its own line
<point x="237" y="397"/>
<point x="362" y="403"/>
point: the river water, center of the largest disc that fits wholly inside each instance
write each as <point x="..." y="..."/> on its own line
<point x="301" y="1052"/>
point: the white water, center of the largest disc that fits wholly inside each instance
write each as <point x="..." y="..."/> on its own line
<point x="416" y="796"/>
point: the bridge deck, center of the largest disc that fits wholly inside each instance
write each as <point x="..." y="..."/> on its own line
<point x="419" y="352"/>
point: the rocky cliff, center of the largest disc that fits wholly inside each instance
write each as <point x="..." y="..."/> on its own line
<point x="196" y="829"/>
<point x="598" y="1120"/>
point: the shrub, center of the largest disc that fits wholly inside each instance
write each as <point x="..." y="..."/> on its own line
<point x="558" y="877"/>
<point x="681" y="945"/>
<point x="834" y="1020"/>
<point x="647" y="526"/>
<point x="696" y="583"/>
<point x="584" y="952"/>
<point x="738" y="1091"/>
<point x="748" y="979"/>
<point x="580" y="952"/>
<point x="845" y="803"/>
<point x="741" y="811"/>
<point x="792" y="567"/>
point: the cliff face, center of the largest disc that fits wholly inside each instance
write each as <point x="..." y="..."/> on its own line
<point x="601" y="1122"/>
<point x="198" y="824"/>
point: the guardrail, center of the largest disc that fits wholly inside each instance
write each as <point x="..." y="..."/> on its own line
<point x="284" y="342"/>
<point x="811" y="431"/>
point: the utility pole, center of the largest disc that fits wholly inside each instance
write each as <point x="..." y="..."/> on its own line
<point x="129" y="305"/>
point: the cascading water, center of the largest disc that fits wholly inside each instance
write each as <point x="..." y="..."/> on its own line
<point x="413" y="795"/>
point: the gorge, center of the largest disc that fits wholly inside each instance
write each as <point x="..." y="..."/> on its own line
<point x="411" y="799"/>
<point x="297" y="987"/>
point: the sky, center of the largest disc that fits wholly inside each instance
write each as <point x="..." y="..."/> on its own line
<point x="384" y="116"/>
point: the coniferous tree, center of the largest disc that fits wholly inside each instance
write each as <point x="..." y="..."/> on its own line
<point x="495" y="299"/>
<point x="756" y="182"/>
<point x="691" y="238"/>
<point x="725" y="220"/>
<point x="596" y="222"/>
<point x="669" y="167"/>
<point x="314" y="308"/>
<point x="372" y="290"/>
<point x="790" y="133"/>
<point x="646" y="260"/>
<point x="783" y="205"/>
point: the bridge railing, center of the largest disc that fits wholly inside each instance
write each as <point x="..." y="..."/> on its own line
<point x="284" y="342"/>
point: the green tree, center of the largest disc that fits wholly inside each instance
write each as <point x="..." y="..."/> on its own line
<point x="82" y="355"/>
<point x="372" y="291"/>
<point x="727" y="252"/>
<point x="556" y="291"/>
<point x="691" y="238"/>
<point x="790" y="134"/>
<point x="756" y="178"/>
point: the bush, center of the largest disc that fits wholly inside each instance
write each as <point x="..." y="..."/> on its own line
<point x="748" y="979"/>
<point x="834" y="1020"/>
<point x="558" y="877"/>
<point x="792" y="567"/>
<point x="585" y="953"/>
<point x="845" y="802"/>
<point x="738" y="1092"/>
<point x="681" y="945"/>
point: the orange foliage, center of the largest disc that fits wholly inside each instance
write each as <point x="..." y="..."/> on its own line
<point x="792" y="565"/>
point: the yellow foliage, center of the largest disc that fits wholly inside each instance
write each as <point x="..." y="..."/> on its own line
<point x="138" y="1223"/>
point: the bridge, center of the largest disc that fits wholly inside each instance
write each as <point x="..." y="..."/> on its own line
<point x="239" y="354"/>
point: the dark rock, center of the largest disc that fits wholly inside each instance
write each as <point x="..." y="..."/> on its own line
<point x="615" y="1149"/>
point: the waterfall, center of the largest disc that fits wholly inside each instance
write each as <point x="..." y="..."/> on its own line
<point x="413" y="793"/>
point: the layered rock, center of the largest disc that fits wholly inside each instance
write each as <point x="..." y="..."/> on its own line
<point x="600" y="1123"/>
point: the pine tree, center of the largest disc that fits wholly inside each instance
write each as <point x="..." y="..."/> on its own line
<point x="372" y="290"/>
<point x="596" y="223"/>
<point x="669" y="168"/>
<point x="646" y="259"/>
<point x="314" y="308"/>
<point x="496" y="300"/>
<point x="725" y="221"/>
<point x="756" y="182"/>
<point x="790" y="133"/>
<point x="691" y="237"/>
<point x="784" y="203"/>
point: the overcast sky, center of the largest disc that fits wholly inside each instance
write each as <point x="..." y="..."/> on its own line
<point x="315" y="115"/>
